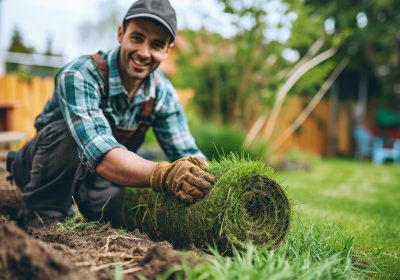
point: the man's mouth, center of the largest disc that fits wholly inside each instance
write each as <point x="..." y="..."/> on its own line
<point x="140" y="63"/>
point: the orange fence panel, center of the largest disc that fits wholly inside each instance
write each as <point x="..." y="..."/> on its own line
<point x="27" y="98"/>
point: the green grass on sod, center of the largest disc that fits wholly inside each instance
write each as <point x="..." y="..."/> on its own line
<point x="361" y="199"/>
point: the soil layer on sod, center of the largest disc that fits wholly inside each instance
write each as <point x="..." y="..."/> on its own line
<point x="246" y="205"/>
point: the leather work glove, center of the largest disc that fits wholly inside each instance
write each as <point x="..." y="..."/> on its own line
<point x="186" y="178"/>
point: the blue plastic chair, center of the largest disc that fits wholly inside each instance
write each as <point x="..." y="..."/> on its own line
<point x="363" y="140"/>
<point x="380" y="152"/>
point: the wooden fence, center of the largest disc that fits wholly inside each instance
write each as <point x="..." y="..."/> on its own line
<point x="315" y="133"/>
<point x="21" y="101"/>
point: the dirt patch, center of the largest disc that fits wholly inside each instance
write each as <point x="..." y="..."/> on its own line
<point x="55" y="250"/>
<point x="10" y="198"/>
<point x="11" y="201"/>
<point x="99" y="249"/>
<point x="160" y="260"/>
<point x="22" y="257"/>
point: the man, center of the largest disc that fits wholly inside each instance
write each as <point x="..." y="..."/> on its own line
<point x="96" y="119"/>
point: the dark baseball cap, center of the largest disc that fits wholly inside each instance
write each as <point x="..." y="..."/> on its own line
<point x="159" y="10"/>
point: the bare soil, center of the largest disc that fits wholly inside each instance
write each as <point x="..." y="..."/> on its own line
<point x="50" y="251"/>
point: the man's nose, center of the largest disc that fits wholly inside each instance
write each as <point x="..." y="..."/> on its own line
<point x="144" y="51"/>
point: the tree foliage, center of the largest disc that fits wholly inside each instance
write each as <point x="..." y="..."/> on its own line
<point x="367" y="31"/>
<point x="232" y="76"/>
<point x="25" y="71"/>
<point x="17" y="43"/>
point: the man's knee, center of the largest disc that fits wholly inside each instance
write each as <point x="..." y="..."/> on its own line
<point x="98" y="200"/>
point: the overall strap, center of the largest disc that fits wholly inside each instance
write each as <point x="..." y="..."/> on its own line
<point x="146" y="112"/>
<point x="102" y="65"/>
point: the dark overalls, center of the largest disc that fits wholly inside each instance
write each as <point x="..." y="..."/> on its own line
<point x="49" y="171"/>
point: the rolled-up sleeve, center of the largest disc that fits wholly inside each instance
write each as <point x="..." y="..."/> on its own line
<point x="170" y="125"/>
<point x="79" y="99"/>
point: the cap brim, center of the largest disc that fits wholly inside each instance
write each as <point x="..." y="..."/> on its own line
<point x="155" y="17"/>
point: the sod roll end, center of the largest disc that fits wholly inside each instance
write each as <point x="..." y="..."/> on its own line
<point x="246" y="205"/>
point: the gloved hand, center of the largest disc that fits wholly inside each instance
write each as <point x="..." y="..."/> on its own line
<point x="186" y="178"/>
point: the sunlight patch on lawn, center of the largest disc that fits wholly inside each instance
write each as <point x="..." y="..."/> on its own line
<point x="363" y="191"/>
<point x="313" y="213"/>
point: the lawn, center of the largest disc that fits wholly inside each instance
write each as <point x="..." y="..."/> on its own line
<point x="360" y="199"/>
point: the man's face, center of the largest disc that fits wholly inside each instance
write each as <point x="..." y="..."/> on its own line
<point x="144" y="45"/>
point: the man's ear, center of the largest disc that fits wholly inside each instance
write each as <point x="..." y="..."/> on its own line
<point x="167" y="50"/>
<point x="120" y="33"/>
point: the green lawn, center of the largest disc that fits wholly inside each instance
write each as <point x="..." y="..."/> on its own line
<point x="359" y="198"/>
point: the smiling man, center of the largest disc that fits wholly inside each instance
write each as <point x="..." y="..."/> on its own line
<point x="96" y="119"/>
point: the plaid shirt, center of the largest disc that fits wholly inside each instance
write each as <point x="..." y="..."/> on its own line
<point x="81" y="99"/>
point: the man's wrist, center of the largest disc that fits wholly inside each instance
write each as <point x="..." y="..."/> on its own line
<point x="156" y="179"/>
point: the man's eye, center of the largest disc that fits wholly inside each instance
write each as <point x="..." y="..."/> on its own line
<point x="137" y="38"/>
<point x="158" y="45"/>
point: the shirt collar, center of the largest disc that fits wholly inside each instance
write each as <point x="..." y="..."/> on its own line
<point x="147" y="89"/>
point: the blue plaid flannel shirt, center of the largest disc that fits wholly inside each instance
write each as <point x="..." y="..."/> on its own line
<point x="80" y="98"/>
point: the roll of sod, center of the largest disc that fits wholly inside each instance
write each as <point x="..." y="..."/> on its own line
<point x="246" y="205"/>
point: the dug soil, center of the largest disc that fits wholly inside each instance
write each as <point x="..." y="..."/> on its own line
<point x="56" y="250"/>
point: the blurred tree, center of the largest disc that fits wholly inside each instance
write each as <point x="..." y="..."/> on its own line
<point x="17" y="43"/>
<point x="18" y="46"/>
<point x="233" y="76"/>
<point x="308" y="30"/>
<point x="239" y="78"/>
<point x="369" y="32"/>
<point x="352" y="29"/>
<point x="49" y="47"/>
<point x="25" y="70"/>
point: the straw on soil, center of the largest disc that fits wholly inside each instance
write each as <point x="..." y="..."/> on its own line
<point x="246" y="205"/>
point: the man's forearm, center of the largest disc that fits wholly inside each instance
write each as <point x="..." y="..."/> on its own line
<point x="126" y="168"/>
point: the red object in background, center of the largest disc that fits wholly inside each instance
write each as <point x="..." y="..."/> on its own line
<point x="6" y="115"/>
<point x="384" y="132"/>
